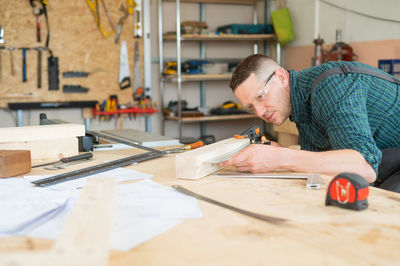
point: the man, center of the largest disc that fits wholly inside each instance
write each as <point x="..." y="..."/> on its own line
<point x="344" y="118"/>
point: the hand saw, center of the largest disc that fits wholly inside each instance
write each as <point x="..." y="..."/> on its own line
<point x="124" y="79"/>
<point x="93" y="5"/>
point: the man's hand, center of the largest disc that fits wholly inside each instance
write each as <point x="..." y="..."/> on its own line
<point x="256" y="158"/>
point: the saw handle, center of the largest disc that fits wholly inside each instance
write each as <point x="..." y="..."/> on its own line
<point x="85" y="156"/>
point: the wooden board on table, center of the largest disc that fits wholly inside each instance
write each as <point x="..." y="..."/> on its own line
<point x="45" y="132"/>
<point x="51" y="149"/>
<point x="200" y="162"/>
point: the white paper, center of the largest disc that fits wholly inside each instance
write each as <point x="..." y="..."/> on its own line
<point x="24" y="206"/>
<point x="121" y="174"/>
<point x="144" y="210"/>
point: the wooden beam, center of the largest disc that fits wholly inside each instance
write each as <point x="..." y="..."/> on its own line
<point x="45" y="132"/>
<point x="84" y="239"/>
<point x="51" y="149"/>
<point x="200" y="162"/>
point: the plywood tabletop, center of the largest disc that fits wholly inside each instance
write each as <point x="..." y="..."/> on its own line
<point x="313" y="235"/>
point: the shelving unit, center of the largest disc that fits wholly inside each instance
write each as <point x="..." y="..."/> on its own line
<point x="180" y="78"/>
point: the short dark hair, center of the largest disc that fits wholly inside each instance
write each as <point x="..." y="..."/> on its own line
<point x="250" y="64"/>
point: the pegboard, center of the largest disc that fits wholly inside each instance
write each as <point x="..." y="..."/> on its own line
<point x="77" y="42"/>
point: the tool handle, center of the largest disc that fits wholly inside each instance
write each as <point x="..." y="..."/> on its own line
<point x="84" y="156"/>
<point x="39" y="70"/>
<point x="194" y="145"/>
<point x="23" y="65"/>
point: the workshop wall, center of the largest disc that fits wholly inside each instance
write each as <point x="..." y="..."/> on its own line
<point x="78" y="43"/>
<point x="372" y="39"/>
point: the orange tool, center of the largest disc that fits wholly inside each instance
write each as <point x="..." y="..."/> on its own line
<point x="187" y="147"/>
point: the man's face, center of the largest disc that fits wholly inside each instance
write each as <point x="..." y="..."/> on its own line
<point x="269" y="100"/>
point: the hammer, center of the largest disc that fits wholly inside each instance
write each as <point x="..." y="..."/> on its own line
<point x="39" y="65"/>
<point x="24" y="49"/>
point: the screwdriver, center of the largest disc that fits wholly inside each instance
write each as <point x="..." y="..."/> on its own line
<point x="187" y="147"/>
<point x="85" y="156"/>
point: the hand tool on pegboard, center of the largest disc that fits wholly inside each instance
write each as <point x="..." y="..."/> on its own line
<point x="39" y="65"/>
<point x="94" y="7"/>
<point x="37" y="11"/>
<point x="24" y="63"/>
<point x="1" y="64"/>
<point x="137" y="73"/>
<point x="124" y="79"/>
<point x="52" y="69"/>
<point x="2" y="47"/>
<point x="11" y="50"/>
<point x="121" y="21"/>
<point x="2" y="40"/>
<point x="349" y="191"/>
<point x="137" y="20"/>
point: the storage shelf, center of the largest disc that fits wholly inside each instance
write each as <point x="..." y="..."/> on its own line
<point x="198" y="77"/>
<point x="211" y="118"/>
<point x="134" y="110"/>
<point x="221" y="37"/>
<point x="230" y="2"/>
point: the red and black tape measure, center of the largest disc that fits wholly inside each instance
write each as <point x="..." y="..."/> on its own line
<point x="348" y="191"/>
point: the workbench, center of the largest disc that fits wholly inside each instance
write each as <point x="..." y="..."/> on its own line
<point x="313" y="235"/>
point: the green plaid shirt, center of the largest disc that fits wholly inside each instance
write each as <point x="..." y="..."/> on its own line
<point x="347" y="111"/>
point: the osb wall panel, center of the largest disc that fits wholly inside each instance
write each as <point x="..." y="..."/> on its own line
<point x="78" y="43"/>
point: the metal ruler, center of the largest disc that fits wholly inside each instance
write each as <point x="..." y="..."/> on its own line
<point x="265" y="218"/>
<point x="313" y="180"/>
<point x="150" y="154"/>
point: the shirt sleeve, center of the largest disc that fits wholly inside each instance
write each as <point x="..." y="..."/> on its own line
<point x="339" y="106"/>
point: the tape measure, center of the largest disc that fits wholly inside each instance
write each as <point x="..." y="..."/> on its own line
<point x="349" y="191"/>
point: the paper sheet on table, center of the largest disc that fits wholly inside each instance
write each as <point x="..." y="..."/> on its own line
<point x="144" y="210"/>
<point x="24" y="206"/>
<point x="122" y="174"/>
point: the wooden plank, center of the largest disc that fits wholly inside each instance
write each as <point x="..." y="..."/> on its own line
<point x="85" y="238"/>
<point x="13" y="163"/>
<point x="200" y="162"/>
<point x="51" y="149"/>
<point x="45" y="132"/>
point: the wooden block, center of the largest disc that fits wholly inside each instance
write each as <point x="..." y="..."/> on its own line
<point x="287" y="134"/>
<point x="13" y="163"/>
<point x="200" y="162"/>
<point x="45" y="132"/>
<point x="51" y="149"/>
<point x="287" y="127"/>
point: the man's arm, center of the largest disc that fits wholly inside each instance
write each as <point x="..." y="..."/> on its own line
<point x="263" y="158"/>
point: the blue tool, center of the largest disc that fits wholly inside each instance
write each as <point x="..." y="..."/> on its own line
<point x="24" y="49"/>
